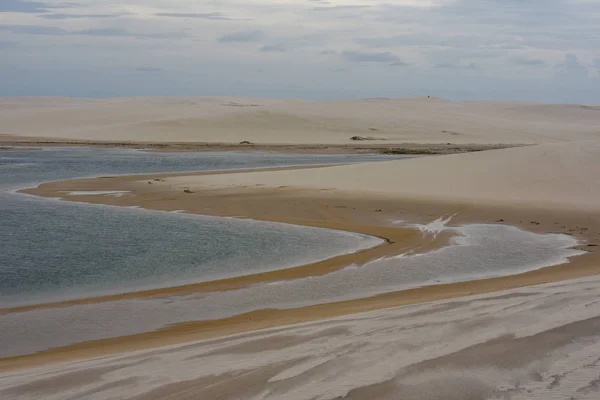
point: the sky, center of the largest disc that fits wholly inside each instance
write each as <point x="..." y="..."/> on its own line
<point x="530" y="50"/>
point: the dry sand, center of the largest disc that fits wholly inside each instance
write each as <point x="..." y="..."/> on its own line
<point x="552" y="176"/>
<point x="526" y="343"/>
<point x="232" y="120"/>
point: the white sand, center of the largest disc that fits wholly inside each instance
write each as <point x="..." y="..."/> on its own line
<point x="532" y="343"/>
<point x="565" y="176"/>
<point x="415" y="120"/>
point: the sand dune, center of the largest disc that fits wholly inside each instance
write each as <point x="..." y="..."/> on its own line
<point x="542" y="176"/>
<point x="270" y="121"/>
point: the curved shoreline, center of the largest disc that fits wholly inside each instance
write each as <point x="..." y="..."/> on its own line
<point x="328" y="209"/>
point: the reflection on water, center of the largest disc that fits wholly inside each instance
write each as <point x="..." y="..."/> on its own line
<point x="54" y="250"/>
<point x="478" y="251"/>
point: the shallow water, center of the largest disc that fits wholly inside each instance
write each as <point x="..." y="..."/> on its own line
<point x="51" y="250"/>
<point x="56" y="249"/>
<point x="478" y="251"/>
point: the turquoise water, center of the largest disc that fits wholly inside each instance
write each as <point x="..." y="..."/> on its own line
<point x="52" y="250"/>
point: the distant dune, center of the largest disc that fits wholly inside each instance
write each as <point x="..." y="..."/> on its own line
<point x="270" y="121"/>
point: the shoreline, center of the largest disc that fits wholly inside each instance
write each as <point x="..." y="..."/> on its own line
<point x="328" y="209"/>
<point x="352" y="147"/>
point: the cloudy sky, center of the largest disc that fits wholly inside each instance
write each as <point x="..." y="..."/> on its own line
<point x="542" y="50"/>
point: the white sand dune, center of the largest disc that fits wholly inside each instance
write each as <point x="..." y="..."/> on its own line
<point x="550" y="176"/>
<point x="269" y="121"/>
<point x="527" y="344"/>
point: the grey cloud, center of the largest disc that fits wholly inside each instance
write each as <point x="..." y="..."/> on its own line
<point x="572" y="67"/>
<point x="573" y="22"/>
<point x="370" y="57"/>
<point x="341" y="8"/>
<point x="327" y="52"/>
<point x="461" y="56"/>
<point x="148" y="69"/>
<point x="445" y="66"/>
<point x="275" y="48"/>
<point x="33" y="30"/>
<point x="511" y="47"/>
<point x="530" y="62"/>
<point x="597" y="64"/>
<point x="242" y="36"/>
<point x="470" y="66"/>
<point x="523" y="14"/>
<point x="5" y="44"/>
<point x="456" y="41"/>
<point x="123" y="33"/>
<point x="49" y="30"/>
<point x="20" y="6"/>
<point x="399" y="64"/>
<point x="103" y="32"/>
<point x="211" y="16"/>
<point x="78" y="16"/>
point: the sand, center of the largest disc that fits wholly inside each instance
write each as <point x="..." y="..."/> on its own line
<point x="526" y="342"/>
<point x="331" y="209"/>
<point x="552" y="176"/>
<point x="532" y="343"/>
<point x="273" y="121"/>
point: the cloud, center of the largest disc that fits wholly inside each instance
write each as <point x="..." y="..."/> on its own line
<point x="242" y="36"/>
<point x="597" y="64"/>
<point x="103" y="32"/>
<point x="211" y="16"/>
<point x="20" y="6"/>
<point x="530" y="62"/>
<point x="33" y="30"/>
<point x="438" y="38"/>
<point x="572" y="67"/>
<point x="510" y="22"/>
<point x="77" y="16"/>
<point x="5" y="44"/>
<point x="110" y="32"/>
<point x="275" y="48"/>
<point x="445" y="66"/>
<point x="341" y="8"/>
<point x="369" y="57"/>
<point x="148" y="69"/>
<point x="420" y="40"/>
<point x="470" y="66"/>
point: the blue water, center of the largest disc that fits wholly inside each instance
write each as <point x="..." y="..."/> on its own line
<point x="52" y="250"/>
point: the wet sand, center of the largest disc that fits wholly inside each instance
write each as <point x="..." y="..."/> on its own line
<point x="369" y="214"/>
<point x="533" y="343"/>
<point x="352" y="147"/>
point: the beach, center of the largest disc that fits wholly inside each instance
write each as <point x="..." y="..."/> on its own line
<point x="520" y="343"/>
<point x="504" y="333"/>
